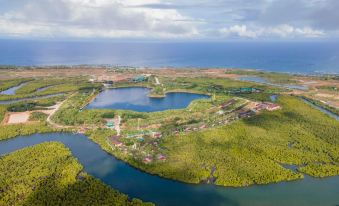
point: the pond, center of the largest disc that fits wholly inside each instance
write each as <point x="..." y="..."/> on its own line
<point x="163" y="192"/>
<point x="274" y="97"/>
<point x="136" y="99"/>
<point x="12" y="90"/>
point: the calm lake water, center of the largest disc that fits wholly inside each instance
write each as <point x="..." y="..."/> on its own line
<point x="164" y="192"/>
<point x="295" y="57"/>
<point x="136" y="99"/>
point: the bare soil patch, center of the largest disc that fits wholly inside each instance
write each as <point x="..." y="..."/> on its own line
<point x="17" y="117"/>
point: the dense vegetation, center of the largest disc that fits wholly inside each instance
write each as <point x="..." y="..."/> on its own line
<point x="13" y="130"/>
<point x="38" y="116"/>
<point x="250" y="151"/>
<point x="6" y="84"/>
<point x="325" y="106"/>
<point x="72" y="111"/>
<point x="47" y="174"/>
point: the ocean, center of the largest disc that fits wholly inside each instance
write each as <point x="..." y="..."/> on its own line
<point x="294" y="57"/>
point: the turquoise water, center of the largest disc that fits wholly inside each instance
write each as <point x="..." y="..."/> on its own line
<point x="164" y="192"/>
<point x="136" y="99"/>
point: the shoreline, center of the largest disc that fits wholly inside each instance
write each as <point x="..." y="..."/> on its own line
<point x="160" y="96"/>
<point x="114" y="66"/>
<point x="164" y="177"/>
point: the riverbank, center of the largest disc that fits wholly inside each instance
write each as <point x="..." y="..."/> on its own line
<point x="153" y="95"/>
<point x="163" y="192"/>
<point x="53" y="163"/>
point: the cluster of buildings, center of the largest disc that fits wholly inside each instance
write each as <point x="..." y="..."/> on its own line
<point x="259" y="106"/>
<point x="149" y="159"/>
<point x="256" y="107"/>
<point x="147" y="140"/>
<point x="245" y="90"/>
<point x="227" y="103"/>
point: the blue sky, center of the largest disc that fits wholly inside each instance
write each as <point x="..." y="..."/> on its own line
<point x="170" y="19"/>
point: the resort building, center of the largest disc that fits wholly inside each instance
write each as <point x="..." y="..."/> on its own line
<point x="115" y="141"/>
<point x="139" y="79"/>
<point x="147" y="160"/>
<point x="272" y="107"/>
<point x="161" y="157"/>
<point x="227" y="103"/>
<point x="259" y="106"/>
<point x="245" y="90"/>
<point x="156" y="135"/>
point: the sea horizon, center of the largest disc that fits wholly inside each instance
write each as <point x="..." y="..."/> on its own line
<point x="295" y="57"/>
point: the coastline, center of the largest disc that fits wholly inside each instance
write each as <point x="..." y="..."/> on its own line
<point x="114" y="66"/>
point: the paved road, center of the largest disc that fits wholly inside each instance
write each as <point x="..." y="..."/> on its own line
<point x="157" y="80"/>
<point x="117" y="121"/>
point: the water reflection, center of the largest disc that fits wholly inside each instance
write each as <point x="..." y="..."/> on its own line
<point x="136" y="99"/>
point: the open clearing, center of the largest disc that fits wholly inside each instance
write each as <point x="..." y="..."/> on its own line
<point x="18" y="117"/>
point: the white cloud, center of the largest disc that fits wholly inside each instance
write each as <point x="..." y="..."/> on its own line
<point x="239" y="31"/>
<point x="169" y="18"/>
<point x="94" y="18"/>
<point x="281" y="31"/>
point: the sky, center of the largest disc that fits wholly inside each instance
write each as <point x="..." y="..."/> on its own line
<point x="170" y="19"/>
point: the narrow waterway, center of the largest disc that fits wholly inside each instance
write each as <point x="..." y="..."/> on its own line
<point x="30" y="98"/>
<point x="163" y="192"/>
<point x="12" y="90"/>
<point x="323" y="110"/>
<point x="261" y="80"/>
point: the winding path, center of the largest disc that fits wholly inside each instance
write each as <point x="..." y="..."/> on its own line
<point x="117" y="121"/>
<point x="49" y="120"/>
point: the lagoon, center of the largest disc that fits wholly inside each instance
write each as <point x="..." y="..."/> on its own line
<point x="163" y="192"/>
<point x="136" y="99"/>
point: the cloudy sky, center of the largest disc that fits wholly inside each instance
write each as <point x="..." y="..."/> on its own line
<point x="170" y="19"/>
